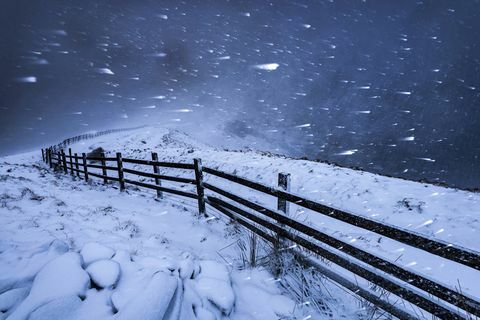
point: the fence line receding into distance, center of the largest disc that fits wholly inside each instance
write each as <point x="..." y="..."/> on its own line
<point x="273" y="224"/>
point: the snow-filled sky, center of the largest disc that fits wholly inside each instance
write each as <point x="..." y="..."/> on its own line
<point x="390" y="86"/>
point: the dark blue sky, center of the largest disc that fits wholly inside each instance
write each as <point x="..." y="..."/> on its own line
<point x="390" y="86"/>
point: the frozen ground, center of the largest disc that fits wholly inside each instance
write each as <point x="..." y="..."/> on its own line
<point x="436" y="212"/>
<point x="72" y="250"/>
<point x="148" y="236"/>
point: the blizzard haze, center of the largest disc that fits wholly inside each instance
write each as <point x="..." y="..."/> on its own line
<point x="392" y="87"/>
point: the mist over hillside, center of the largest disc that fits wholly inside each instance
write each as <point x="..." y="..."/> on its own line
<point x="392" y="87"/>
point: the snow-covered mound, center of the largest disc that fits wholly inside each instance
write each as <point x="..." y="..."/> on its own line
<point x="147" y="288"/>
<point x="437" y="212"/>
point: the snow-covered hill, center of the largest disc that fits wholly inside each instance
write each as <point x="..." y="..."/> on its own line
<point x="52" y="222"/>
<point x="437" y="212"/>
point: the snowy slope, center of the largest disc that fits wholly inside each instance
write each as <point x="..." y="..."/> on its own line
<point x="148" y="236"/>
<point x="72" y="250"/>
<point x="155" y="243"/>
<point x="434" y="211"/>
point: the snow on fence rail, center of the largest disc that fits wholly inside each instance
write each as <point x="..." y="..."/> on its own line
<point x="435" y="298"/>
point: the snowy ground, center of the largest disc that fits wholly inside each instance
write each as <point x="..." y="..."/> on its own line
<point x="149" y="236"/>
<point x="436" y="212"/>
<point x="72" y="250"/>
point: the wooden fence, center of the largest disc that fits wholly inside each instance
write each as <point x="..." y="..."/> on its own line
<point x="86" y="136"/>
<point x="273" y="224"/>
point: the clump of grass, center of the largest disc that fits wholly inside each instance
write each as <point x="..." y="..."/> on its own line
<point x="248" y="247"/>
<point x="130" y="227"/>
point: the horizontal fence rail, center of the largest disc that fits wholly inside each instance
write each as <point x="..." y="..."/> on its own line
<point x="161" y="164"/>
<point x="274" y="225"/>
<point x="401" y="291"/>
<point x="160" y="176"/>
<point x="436" y="247"/>
<point x="425" y="284"/>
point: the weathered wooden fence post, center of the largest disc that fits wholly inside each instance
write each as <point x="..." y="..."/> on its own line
<point x="76" y="165"/>
<point x="283" y="206"/>
<point x="43" y="156"/>
<point x="71" y="160"/>
<point x="156" y="171"/>
<point x="64" y="162"/>
<point x="104" y="170"/>
<point x="60" y="158"/>
<point x="85" y="167"/>
<point x="283" y="183"/>
<point x="56" y="155"/>
<point x="199" y="182"/>
<point x="50" y="157"/>
<point x="121" y="179"/>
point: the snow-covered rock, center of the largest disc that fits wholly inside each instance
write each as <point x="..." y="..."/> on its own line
<point x="158" y="264"/>
<point x="260" y="304"/>
<point x="18" y="268"/>
<point x="217" y="292"/>
<point x="59" y="278"/>
<point x="94" y="251"/>
<point x="204" y="314"/>
<point x="154" y="300"/>
<point x="61" y="308"/>
<point x="186" y="269"/>
<point x="191" y="301"/>
<point x="214" y="285"/>
<point x="213" y="269"/>
<point x="97" y="305"/>
<point x="132" y="281"/>
<point x="11" y="298"/>
<point x="104" y="273"/>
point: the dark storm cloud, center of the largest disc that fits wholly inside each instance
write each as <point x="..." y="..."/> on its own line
<point x="390" y="86"/>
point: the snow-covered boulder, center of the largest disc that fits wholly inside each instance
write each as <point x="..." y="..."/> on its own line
<point x="93" y="251"/>
<point x="132" y="281"/>
<point x="153" y="301"/>
<point x="164" y="264"/>
<point x="217" y="292"/>
<point x="96" y="306"/>
<point x="213" y="285"/>
<point x="18" y="268"/>
<point x="61" y="277"/>
<point x="104" y="273"/>
<point x="204" y="314"/>
<point x="260" y="304"/>
<point x="62" y="308"/>
<point x="213" y="269"/>
<point x="11" y="298"/>
<point x="257" y="297"/>
<point x="188" y="266"/>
